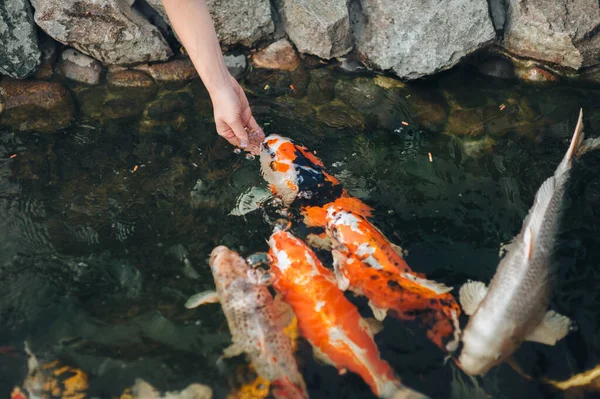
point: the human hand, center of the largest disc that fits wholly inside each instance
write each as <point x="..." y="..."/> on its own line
<point x="234" y="119"/>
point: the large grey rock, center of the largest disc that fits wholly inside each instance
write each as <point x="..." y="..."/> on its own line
<point x="244" y="22"/>
<point x="110" y="30"/>
<point x="317" y="27"/>
<point x="563" y="32"/>
<point x="420" y="37"/>
<point x="19" y="50"/>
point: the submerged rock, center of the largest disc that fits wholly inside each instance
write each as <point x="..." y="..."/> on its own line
<point x="236" y="64"/>
<point x="48" y="47"/>
<point x="174" y="73"/>
<point x="89" y="101"/>
<point x="321" y="88"/>
<point x="420" y="38"/>
<point x="361" y="93"/>
<point x="315" y="27"/>
<point x="236" y="21"/>
<point x="131" y="84"/>
<point x="279" y="55"/>
<point x="36" y="105"/>
<point x="79" y="67"/>
<point x="121" y="108"/>
<point x="168" y="104"/>
<point x="562" y="32"/>
<point x="465" y="122"/>
<point x="110" y="31"/>
<point x="497" y="67"/>
<point x="536" y="74"/>
<point x="19" y="50"/>
<point x="388" y="83"/>
<point x="338" y="115"/>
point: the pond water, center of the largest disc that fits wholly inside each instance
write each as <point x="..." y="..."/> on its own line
<point x="106" y="227"/>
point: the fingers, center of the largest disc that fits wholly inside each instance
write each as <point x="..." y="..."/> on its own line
<point x="255" y="136"/>
<point x="241" y="134"/>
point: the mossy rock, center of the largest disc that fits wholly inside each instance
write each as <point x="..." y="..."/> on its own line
<point x="36" y="106"/>
<point x="168" y="104"/>
<point x="361" y="93"/>
<point x="338" y="115"/>
<point x="321" y="88"/>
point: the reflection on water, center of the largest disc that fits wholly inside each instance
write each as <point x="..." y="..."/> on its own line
<point x="106" y="228"/>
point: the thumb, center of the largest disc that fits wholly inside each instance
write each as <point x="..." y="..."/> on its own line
<point x="240" y="133"/>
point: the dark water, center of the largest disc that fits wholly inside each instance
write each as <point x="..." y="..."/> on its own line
<point x="96" y="259"/>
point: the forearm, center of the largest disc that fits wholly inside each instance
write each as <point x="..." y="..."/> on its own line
<point x="194" y="26"/>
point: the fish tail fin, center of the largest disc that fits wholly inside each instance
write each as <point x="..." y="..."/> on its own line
<point x="395" y="390"/>
<point x="315" y="216"/>
<point x="354" y="205"/>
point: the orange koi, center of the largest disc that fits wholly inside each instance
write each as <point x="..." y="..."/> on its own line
<point x="331" y="323"/>
<point x="368" y="264"/>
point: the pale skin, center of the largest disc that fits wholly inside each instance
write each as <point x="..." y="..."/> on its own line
<point x="193" y="23"/>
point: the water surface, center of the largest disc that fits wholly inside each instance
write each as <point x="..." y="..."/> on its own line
<point x="107" y="226"/>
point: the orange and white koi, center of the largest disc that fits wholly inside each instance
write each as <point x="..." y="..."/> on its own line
<point x="293" y="172"/>
<point x="331" y="323"/>
<point x="255" y="322"/>
<point x="368" y="264"/>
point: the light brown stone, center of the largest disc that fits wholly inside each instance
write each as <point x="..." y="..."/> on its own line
<point x="279" y="55"/>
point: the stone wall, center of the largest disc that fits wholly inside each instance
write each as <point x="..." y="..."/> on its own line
<point x="417" y="39"/>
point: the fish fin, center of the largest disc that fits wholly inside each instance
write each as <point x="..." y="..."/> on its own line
<point x="284" y="314"/>
<point x="353" y="205"/>
<point x="202" y="298"/>
<point x="588" y="145"/>
<point x="398" y="249"/>
<point x="577" y="138"/>
<point x="514" y="364"/>
<point x="250" y="200"/>
<point x="470" y="296"/>
<point x="339" y="259"/>
<point x="378" y="312"/>
<point x="320" y="241"/>
<point x="232" y="350"/>
<point x="528" y="240"/>
<point x="321" y="357"/>
<point x="552" y="329"/>
<point x="394" y="390"/>
<point x="438" y="288"/>
<point x="371" y="326"/>
<point x="314" y="216"/>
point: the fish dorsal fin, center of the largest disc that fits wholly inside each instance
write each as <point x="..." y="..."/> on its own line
<point x="371" y="326"/>
<point x="398" y="250"/>
<point x="202" y="298"/>
<point x="528" y="240"/>
<point x="471" y="295"/>
<point x="378" y="312"/>
<point x="577" y="138"/>
<point x="438" y="288"/>
<point x="552" y="329"/>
